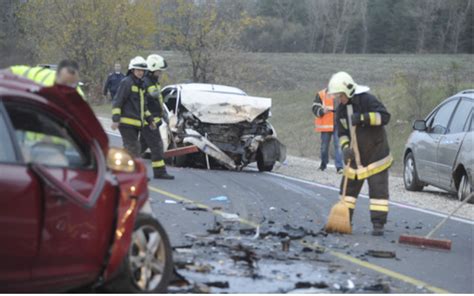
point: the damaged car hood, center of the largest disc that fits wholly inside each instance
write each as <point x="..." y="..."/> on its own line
<point x="223" y="108"/>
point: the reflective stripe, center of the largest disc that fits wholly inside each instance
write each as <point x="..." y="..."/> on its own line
<point x="344" y="122"/>
<point x="151" y="88"/>
<point x="344" y="140"/>
<point x="380" y="202"/>
<point x="370" y="170"/>
<point x="324" y="126"/>
<point x="375" y="118"/>
<point x="116" y="111"/>
<point x="158" y="164"/>
<point x="142" y="106"/>
<point x="147" y="113"/>
<point x="156" y="119"/>
<point x="130" y="121"/>
<point x="46" y="77"/>
<point x="378" y="208"/>
<point x="135" y="88"/>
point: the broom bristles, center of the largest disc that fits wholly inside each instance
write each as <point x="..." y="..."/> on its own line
<point x="339" y="219"/>
<point x="421" y="241"/>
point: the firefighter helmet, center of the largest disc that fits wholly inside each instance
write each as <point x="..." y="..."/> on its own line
<point x="341" y="82"/>
<point x="137" y="62"/>
<point x="156" y="63"/>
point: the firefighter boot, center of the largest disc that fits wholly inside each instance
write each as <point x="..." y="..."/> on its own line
<point x="377" y="229"/>
<point x="161" y="173"/>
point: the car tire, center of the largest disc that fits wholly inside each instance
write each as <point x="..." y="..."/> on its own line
<point x="157" y="265"/>
<point x="410" y="175"/>
<point x="464" y="188"/>
<point x="261" y="164"/>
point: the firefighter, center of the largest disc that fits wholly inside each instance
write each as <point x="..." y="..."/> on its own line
<point x="370" y="159"/>
<point x="151" y="137"/>
<point x="129" y="112"/>
<point x="66" y="74"/>
<point x="323" y="109"/>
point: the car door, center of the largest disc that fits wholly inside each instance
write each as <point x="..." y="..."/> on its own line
<point x="451" y="142"/>
<point x="428" y="141"/>
<point x="78" y="214"/>
<point x="20" y="211"/>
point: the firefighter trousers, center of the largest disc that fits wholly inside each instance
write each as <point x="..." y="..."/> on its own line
<point x="130" y="139"/>
<point x="152" y="138"/>
<point x="378" y="193"/>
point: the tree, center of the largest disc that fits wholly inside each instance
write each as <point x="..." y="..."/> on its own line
<point x="196" y="29"/>
<point x="96" y="33"/>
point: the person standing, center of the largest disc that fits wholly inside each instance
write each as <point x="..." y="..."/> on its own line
<point x="113" y="80"/>
<point x="129" y="112"/>
<point x="150" y="137"/>
<point x="364" y="146"/>
<point x="323" y="109"/>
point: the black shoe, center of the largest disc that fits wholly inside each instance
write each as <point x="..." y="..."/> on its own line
<point x="377" y="230"/>
<point x="322" y="168"/>
<point x="164" y="176"/>
<point x="146" y="155"/>
<point x="340" y="170"/>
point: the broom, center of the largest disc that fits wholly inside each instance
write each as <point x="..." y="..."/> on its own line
<point x="427" y="241"/>
<point x="339" y="216"/>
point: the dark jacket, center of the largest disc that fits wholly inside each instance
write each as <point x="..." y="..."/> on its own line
<point x="153" y="97"/>
<point x="129" y="105"/>
<point x="112" y="83"/>
<point x="370" y="132"/>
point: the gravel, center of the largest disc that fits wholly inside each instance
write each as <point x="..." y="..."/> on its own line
<point x="430" y="198"/>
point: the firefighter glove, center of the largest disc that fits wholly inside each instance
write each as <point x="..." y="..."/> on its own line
<point x="348" y="154"/>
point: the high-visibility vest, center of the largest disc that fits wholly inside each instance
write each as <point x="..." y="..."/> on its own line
<point x="325" y="123"/>
<point x="40" y="75"/>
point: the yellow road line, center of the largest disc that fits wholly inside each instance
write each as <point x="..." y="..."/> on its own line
<point x="371" y="266"/>
<point x="199" y="205"/>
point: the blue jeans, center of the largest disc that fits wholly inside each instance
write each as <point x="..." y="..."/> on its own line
<point x="325" y="141"/>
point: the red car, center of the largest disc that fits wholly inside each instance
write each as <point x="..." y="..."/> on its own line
<point x="73" y="211"/>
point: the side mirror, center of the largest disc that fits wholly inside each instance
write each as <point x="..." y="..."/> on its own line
<point x="419" y="125"/>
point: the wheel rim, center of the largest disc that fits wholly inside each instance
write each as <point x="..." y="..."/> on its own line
<point x="464" y="188"/>
<point x="409" y="171"/>
<point x="147" y="258"/>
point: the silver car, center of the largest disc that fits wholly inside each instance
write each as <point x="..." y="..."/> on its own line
<point x="439" y="152"/>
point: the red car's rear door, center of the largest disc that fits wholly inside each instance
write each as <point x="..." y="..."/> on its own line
<point x="20" y="208"/>
<point x="76" y="229"/>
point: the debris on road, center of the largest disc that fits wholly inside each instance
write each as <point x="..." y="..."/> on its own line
<point x="221" y="285"/>
<point x="230" y="216"/>
<point x="220" y="198"/>
<point x="169" y="201"/>
<point x="193" y="208"/>
<point x="381" y="254"/>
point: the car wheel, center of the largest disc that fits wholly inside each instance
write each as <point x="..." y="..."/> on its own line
<point x="148" y="266"/>
<point x="410" y="175"/>
<point x="261" y="164"/>
<point x="464" y="188"/>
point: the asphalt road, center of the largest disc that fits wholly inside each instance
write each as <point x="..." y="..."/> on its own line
<point x="271" y="202"/>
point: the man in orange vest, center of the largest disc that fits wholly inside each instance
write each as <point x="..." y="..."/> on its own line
<point x="323" y="109"/>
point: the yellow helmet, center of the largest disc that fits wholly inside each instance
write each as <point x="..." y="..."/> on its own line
<point x="341" y="82"/>
<point x="156" y="62"/>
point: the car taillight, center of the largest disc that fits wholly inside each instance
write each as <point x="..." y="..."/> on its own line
<point x="120" y="160"/>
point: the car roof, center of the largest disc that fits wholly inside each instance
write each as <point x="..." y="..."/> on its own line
<point x="209" y="87"/>
<point x="469" y="93"/>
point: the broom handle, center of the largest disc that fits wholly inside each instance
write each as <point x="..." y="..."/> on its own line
<point x="354" y="144"/>
<point x="449" y="216"/>
<point x="344" y="185"/>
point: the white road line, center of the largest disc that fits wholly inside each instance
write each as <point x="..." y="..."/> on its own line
<point x="401" y="205"/>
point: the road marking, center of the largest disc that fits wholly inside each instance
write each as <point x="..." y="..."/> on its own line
<point x="401" y="205"/>
<point x="202" y="206"/>
<point x="379" y="269"/>
<point x="314" y="246"/>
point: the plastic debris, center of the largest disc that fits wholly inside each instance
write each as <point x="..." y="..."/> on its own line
<point x="230" y="216"/>
<point x="169" y="201"/>
<point x="220" y="198"/>
<point x="350" y="284"/>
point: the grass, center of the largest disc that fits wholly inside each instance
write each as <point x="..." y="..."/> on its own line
<point x="409" y="86"/>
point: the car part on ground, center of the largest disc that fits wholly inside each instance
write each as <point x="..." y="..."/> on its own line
<point x="225" y="124"/>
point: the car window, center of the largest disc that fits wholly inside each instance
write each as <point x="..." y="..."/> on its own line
<point x="7" y="152"/>
<point x="439" y="124"/>
<point x="460" y="116"/>
<point x="42" y="139"/>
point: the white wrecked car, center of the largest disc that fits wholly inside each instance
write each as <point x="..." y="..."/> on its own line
<point x="229" y="127"/>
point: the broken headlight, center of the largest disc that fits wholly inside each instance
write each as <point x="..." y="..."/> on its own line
<point x="120" y="160"/>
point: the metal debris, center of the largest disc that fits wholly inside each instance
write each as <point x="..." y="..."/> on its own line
<point x="220" y="198"/>
<point x="191" y="208"/>
<point x="217" y="284"/>
<point x="381" y="254"/>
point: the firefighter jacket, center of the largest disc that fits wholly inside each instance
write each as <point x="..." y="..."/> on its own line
<point x="323" y="122"/>
<point x="129" y="107"/>
<point x="41" y="75"/>
<point x="153" y="97"/>
<point x="371" y="137"/>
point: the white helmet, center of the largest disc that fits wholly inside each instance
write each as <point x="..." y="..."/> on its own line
<point x="156" y="62"/>
<point x="341" y="82"/>
<point x="137" y="62"/>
